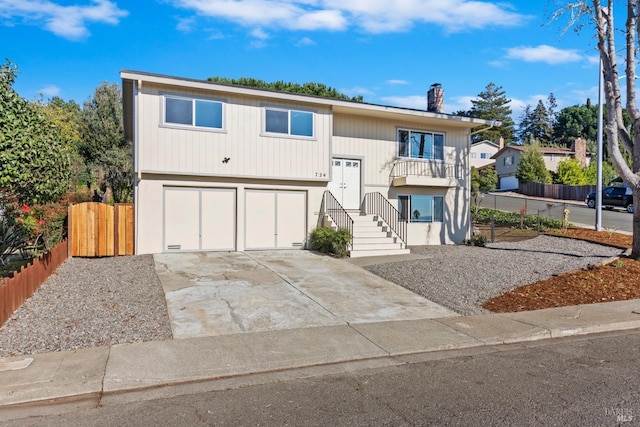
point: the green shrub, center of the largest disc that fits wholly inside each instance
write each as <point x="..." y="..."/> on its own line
<point x="327" y="240"/>
<point x="514" y="219"/>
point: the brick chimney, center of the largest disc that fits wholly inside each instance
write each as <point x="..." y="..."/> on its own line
<point x="435" y="99"/>
<point x="580" y="151"/>
<point x="501" y="143"/>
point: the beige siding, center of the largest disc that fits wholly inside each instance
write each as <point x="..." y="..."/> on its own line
<point x="506" y="170"/>
<point x="190" y="151"/>
<point x="374" y="140"/>
<point x="150" y="206"/>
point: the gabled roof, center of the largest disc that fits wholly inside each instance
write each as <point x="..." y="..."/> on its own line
<point x="338" y="105"/>
<point x="487" y="142"/>
<point x="543" y="150"/>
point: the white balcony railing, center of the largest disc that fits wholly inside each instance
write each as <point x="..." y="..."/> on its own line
<point x="427" y="169"/>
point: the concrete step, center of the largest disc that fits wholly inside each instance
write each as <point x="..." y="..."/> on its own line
<point x="376" y="246"/>
<point x="363" y="218"/>
<point x="379" y="252"/>
<point x="366" y="240"/>
<point x="365" y="226"/>
<point x="370" y="233"/>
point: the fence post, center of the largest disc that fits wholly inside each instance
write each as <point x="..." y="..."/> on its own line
<point x="493" y="229"/>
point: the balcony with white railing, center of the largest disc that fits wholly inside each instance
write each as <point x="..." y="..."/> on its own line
<point x="431" y="173"/>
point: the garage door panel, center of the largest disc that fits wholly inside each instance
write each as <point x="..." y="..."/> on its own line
<point x="218" y="219"/>
<point x="260" y="219"/>
<point x="291" y="223"/>
<point x="508" y="183"/>
<point x="181" y="219"/>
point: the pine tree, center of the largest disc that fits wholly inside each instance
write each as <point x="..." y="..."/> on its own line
<point x="541" y="124"/>
<point x="532" y="167"/>
<point x="492" y="104"/>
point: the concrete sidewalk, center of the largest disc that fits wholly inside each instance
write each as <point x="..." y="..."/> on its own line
<point x="65" y="381"/>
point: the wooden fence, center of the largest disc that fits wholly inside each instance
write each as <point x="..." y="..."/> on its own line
<point x="556" y="191"/>
<point x="16" y="289"/>
<point x="98" y="230"/>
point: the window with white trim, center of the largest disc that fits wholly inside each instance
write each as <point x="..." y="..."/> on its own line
<point x="420" y="208"/>
<point x="508" y="160"/>
<point x="485" y="155"/>
<point x="201" y="113"/>
<point x="420" y="145"/>
<point x="288" y="122"/>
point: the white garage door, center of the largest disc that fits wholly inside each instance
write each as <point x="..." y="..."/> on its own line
<point x="508" y="183"/>
<point x="275" y="219"/>
<point x="199" y="219"/>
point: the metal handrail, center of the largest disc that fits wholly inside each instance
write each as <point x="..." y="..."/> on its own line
<point x="377" y="204"/>
<point x="430" y="169"/>
<point x="333" y="208"/>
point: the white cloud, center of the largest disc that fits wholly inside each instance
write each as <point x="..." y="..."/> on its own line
<point x="397" y="82"/>
<point x="65" y="21"/>
<point x="373" y="16"/>
<point x="413" y="101"/>
<point x="258" y="33"/>
<point x="305" y="41"/>
<point x="185" y="24"/>
<point x="458" y="103"/>
<point x="50" y="91"/>
<point x="358" y="90"/>
<point x="544" y="53"/>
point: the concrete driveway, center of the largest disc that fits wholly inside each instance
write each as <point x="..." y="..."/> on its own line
<point x="214" y="293"/>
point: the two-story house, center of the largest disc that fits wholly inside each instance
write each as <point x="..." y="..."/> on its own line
<point x="228" y="168"/>
<point x="481" y="153"/>
<point x="508" y="159"/>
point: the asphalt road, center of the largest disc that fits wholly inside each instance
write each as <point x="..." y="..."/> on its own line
<point x="585" y="381"/>
<point x="579" y="213"/>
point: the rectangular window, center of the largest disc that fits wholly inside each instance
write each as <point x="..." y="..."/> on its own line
<point x="508" y="161"/>
<point x="420" y="145"/>
<point x="193" y="112"/>
<point x="419" y="208"/>
<point x="473" y="155"/>
<point x="484" y="155"/>
<point x="288" y="122"/>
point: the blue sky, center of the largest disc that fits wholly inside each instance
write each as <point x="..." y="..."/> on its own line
<point x="388" y="51"/>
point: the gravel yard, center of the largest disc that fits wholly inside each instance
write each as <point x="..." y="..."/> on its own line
<point x="106" y="301"/>
<point x="90" y="303"/>
<point x="461" y="278"/>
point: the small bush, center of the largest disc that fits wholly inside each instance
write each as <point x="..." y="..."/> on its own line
<point x="478" y="240"/>
<point x="327" y="240"/>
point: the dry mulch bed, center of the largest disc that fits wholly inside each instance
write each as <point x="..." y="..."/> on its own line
<point x="615" y="281"/>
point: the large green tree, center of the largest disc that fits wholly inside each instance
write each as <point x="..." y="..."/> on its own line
<point x="532" y="167"/>
<point x="34" y="165"/>
<point x="576" y="121"/>
<point x="621" y="139"/>
<point x="492" y="104"/>
<point x="67" y="116"/>
<point x="309" y="88"/>
<point x="537" y="124"/>
<point x="103" y="144"/>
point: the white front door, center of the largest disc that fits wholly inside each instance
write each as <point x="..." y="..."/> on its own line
<point x="345" y="182"/>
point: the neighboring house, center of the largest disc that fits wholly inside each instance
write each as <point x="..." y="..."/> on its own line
<point x="481" y="153"/>
<point x="508" y="158"/>
<point x="228" y="168"/>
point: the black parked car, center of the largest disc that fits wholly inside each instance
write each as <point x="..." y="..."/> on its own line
<point x="613" y="197"/>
